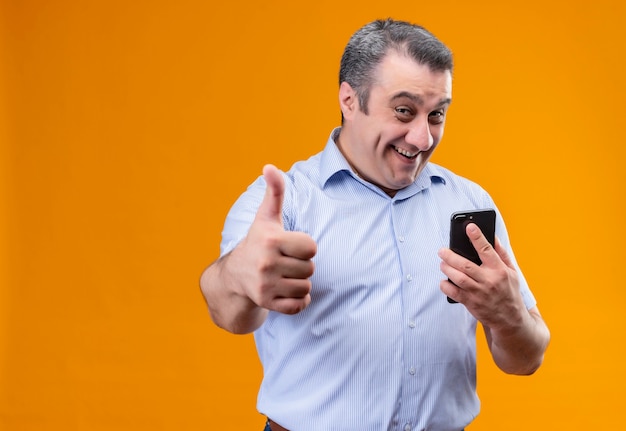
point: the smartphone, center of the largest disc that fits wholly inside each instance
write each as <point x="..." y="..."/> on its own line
<point x="460" y="243"/>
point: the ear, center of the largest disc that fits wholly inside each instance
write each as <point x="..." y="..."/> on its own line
<point x="348" y="100"/>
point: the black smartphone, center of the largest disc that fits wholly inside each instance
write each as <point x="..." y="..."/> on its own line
<point x="485" y="219"/>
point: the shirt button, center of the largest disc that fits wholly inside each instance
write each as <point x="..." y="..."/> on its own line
<point x="401" y="238"/>
<point x="411" y="324"/>
<point x="409" y="277"/>
<point x="407" y="427"/>
<point x="412" y="371"/>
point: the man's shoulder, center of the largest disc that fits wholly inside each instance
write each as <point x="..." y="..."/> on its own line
<point x="307" y="171"/>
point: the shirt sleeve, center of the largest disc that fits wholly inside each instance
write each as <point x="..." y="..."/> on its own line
<point x="243" y="212"/>
<point x="241" y="216"/>
<point x="503" y="236"/>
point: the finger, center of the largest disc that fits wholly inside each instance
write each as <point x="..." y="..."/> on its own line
<point x="292" y="288"/>
<point x="451" y="290"/>
<point x="504" y="255"/>
<point x="271" y="209"/>
<point x="292" y="296"/>
<point x="461" y="276"/>
<point x="454" y="265"/>
<point x="296" y="268"/>
<point x="298" y="245"/>
<point x="484" y="249"/>
<point x="290" y="305"/>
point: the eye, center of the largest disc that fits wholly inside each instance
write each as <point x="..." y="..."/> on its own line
<point x="437" y="117"/>
<point x="403" y="113"/>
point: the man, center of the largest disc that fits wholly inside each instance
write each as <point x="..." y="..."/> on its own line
<point x="340" y="266"/>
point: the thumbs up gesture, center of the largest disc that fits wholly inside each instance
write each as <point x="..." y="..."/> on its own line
<point x="274" y="265"/>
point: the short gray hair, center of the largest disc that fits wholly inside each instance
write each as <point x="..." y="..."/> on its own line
<point x="369" y="45"/>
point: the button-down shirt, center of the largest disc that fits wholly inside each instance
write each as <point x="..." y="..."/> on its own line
<point x="379" y="347"/>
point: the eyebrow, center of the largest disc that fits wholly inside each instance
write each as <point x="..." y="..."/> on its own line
<point x="418" y="99"/>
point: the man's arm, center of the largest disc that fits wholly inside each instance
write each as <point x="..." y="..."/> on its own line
<point x="517" y="337"/>
<point x="268" y="270"/>
<point x="229" y="309"/>
<point x="519" y="349"/>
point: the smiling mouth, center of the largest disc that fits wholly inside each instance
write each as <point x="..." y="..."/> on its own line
<point x="405" y="153"/>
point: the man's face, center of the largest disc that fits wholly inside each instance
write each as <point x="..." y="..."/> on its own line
<point x="407" y="108"/>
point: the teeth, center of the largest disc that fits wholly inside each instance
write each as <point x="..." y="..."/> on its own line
<point x="405" y="153"/>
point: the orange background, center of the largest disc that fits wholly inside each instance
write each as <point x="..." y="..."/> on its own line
<point x="128" y="128"/>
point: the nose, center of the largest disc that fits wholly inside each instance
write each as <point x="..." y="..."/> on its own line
<point x="420" y="135"/>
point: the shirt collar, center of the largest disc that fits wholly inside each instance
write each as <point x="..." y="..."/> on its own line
<point x="332" y="162"/>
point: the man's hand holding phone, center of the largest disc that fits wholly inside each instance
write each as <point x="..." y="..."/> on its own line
<point x="489" y="289"/>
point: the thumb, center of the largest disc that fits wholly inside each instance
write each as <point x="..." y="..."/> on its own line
<point x="271" y="208"/>
<point x="483" y="247"/>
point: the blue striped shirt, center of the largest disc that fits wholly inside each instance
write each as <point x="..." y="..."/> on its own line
<point x="379" y="347"/>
